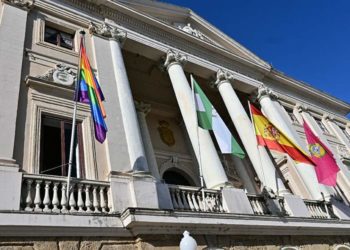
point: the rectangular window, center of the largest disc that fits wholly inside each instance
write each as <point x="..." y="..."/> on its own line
<point x="55" y="145"/>
<point x="291" y="115"/>
<point x="58" y="37"/>
<point x="346" y="134"/>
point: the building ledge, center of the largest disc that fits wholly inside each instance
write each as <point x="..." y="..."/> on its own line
<point x="146" y="221"/>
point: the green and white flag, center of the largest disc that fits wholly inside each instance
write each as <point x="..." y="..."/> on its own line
<point x="209" y="119"/>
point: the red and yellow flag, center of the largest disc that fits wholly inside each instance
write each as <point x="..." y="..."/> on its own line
<point x="268" y="135"/>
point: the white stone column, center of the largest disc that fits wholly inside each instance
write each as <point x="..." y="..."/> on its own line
<point x="142" y="110"/>
<point x="301" y="113"/>
<point x="336" y="130"/>
<point x="273" y="111"/>
<point x="241" y="168"/>
<point x="213" y="172"/>
<point x="123" y="127"/>
<point x="12" y="35"/>
<point x="261" y="161"/>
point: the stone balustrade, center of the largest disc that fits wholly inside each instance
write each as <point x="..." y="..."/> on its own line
<point x="320" y="209"/>
<point x="258" y="204"/>
<point x="47" y="194"/>
<point x="191" y="199"/>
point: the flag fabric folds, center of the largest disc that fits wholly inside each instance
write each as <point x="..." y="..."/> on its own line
<point x="326" y="167"/>
<point x="90" y="92"/>
<point x="268" y="135"/>
<point x="209" y="119"/>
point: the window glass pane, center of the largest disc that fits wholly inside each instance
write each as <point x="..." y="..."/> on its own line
<point x="50" y="35"/>
<point x="66" y="40"/>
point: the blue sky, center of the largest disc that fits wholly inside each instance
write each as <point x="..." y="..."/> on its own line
<point x="308" y="40"/>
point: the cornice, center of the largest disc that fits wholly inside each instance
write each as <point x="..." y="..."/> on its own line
<point x="25" y="4"/>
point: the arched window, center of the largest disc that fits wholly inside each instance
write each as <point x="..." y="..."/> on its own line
<point x="341" y="247"/>
<point x="177" y="177"/>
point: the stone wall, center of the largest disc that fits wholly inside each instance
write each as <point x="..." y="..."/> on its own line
<point x="171" y="242"/>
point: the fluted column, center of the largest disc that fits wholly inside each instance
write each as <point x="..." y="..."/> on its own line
<point x="261" y="161"/>
<point x="126" y="152"/>
<point x="142" y="110"/>
<point x="273" y="111"/>
<point x="213" y="172"/>
<point x="13" y="21"/>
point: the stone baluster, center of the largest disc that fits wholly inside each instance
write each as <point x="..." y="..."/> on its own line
<point x="80" y="198"/>
<point x="175" y="204"/>
<point x="110" y="204"/>
<point x="200" y="201"/>
<point x="72" y="202"/>
<point x="189" y="199"/>
<point x="95" y="201"/>
<point x="55" y="200"/>
<point x="194" y="200"/>
<point x="37" y="198"/>
<point x="179" y="201"/>
<point x="47" y="201"/>
<point x="64" y="198"/>
<point x="186" y="205"/>
<point x="29" y="200"/>
<point x="88" y="203"/>
<point x="102" y="199"/>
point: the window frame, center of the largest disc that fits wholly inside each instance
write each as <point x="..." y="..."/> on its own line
<point x="39" y="33"/>
<point x="42" y="104"/>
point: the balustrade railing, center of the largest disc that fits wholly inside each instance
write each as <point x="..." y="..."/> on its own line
<point x="320" y="209"/>
<point x="258" y="204"/>
<point x="42" y="193"/>
<point x="191" y="199"/>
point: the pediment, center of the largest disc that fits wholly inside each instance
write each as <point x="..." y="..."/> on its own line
<point x="188" y="22"/>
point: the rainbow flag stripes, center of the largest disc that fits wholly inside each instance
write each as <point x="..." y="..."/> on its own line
<point x="268" y="135"/>
<point x="90" y="92"/>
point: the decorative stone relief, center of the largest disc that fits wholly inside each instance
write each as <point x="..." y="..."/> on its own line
<point x="27" y="4"/>
<point x="62" y="74"/>
<point x="343" y="151"/>
<point x="174" y="57"/>
<point x="265" y="91"/>
<point x="222" y="76"/>
<point x="327" y="117"/>
<point x="108" y="31"/>
<point x="165" y="133"/>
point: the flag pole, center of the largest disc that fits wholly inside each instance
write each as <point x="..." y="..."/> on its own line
<point x="70" y="161"/>
<point x="257" y="144"/>
<point x="199" y="148"/>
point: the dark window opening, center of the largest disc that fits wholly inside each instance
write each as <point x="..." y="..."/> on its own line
<point x="173" y="177"/>
<point x="59" y="38"/>
<point x="55" y="145"/>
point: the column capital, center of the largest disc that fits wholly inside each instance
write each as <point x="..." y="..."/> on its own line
<point x="174" y="57"/>
<point x="142" y="107"/>
<point x="223" y="76"/>
<point x="25" y="4"/>
<point x="301" y="107"/>
<point x="328" y="117"/>
<point x="264" y="91"/>
<point x="107" y="31"/>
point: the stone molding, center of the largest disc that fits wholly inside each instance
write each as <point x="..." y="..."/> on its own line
<point x="343" y="151"/>
<point x="174" y="57"/>
<point x="26" y="4"/>
<point x="264" y="91"/>
<point x="328" y="117"/>
<point x="107" y="31"/>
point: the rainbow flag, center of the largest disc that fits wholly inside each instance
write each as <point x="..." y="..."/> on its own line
<point x="326" y="167"/>
<point x="90" y="92"/>
<point x="268" y="135"/>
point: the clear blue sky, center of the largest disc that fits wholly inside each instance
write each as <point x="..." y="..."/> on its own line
<point x="308" y="40"/>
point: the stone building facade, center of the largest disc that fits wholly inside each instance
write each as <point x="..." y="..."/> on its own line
<point x="140" y="189"/>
